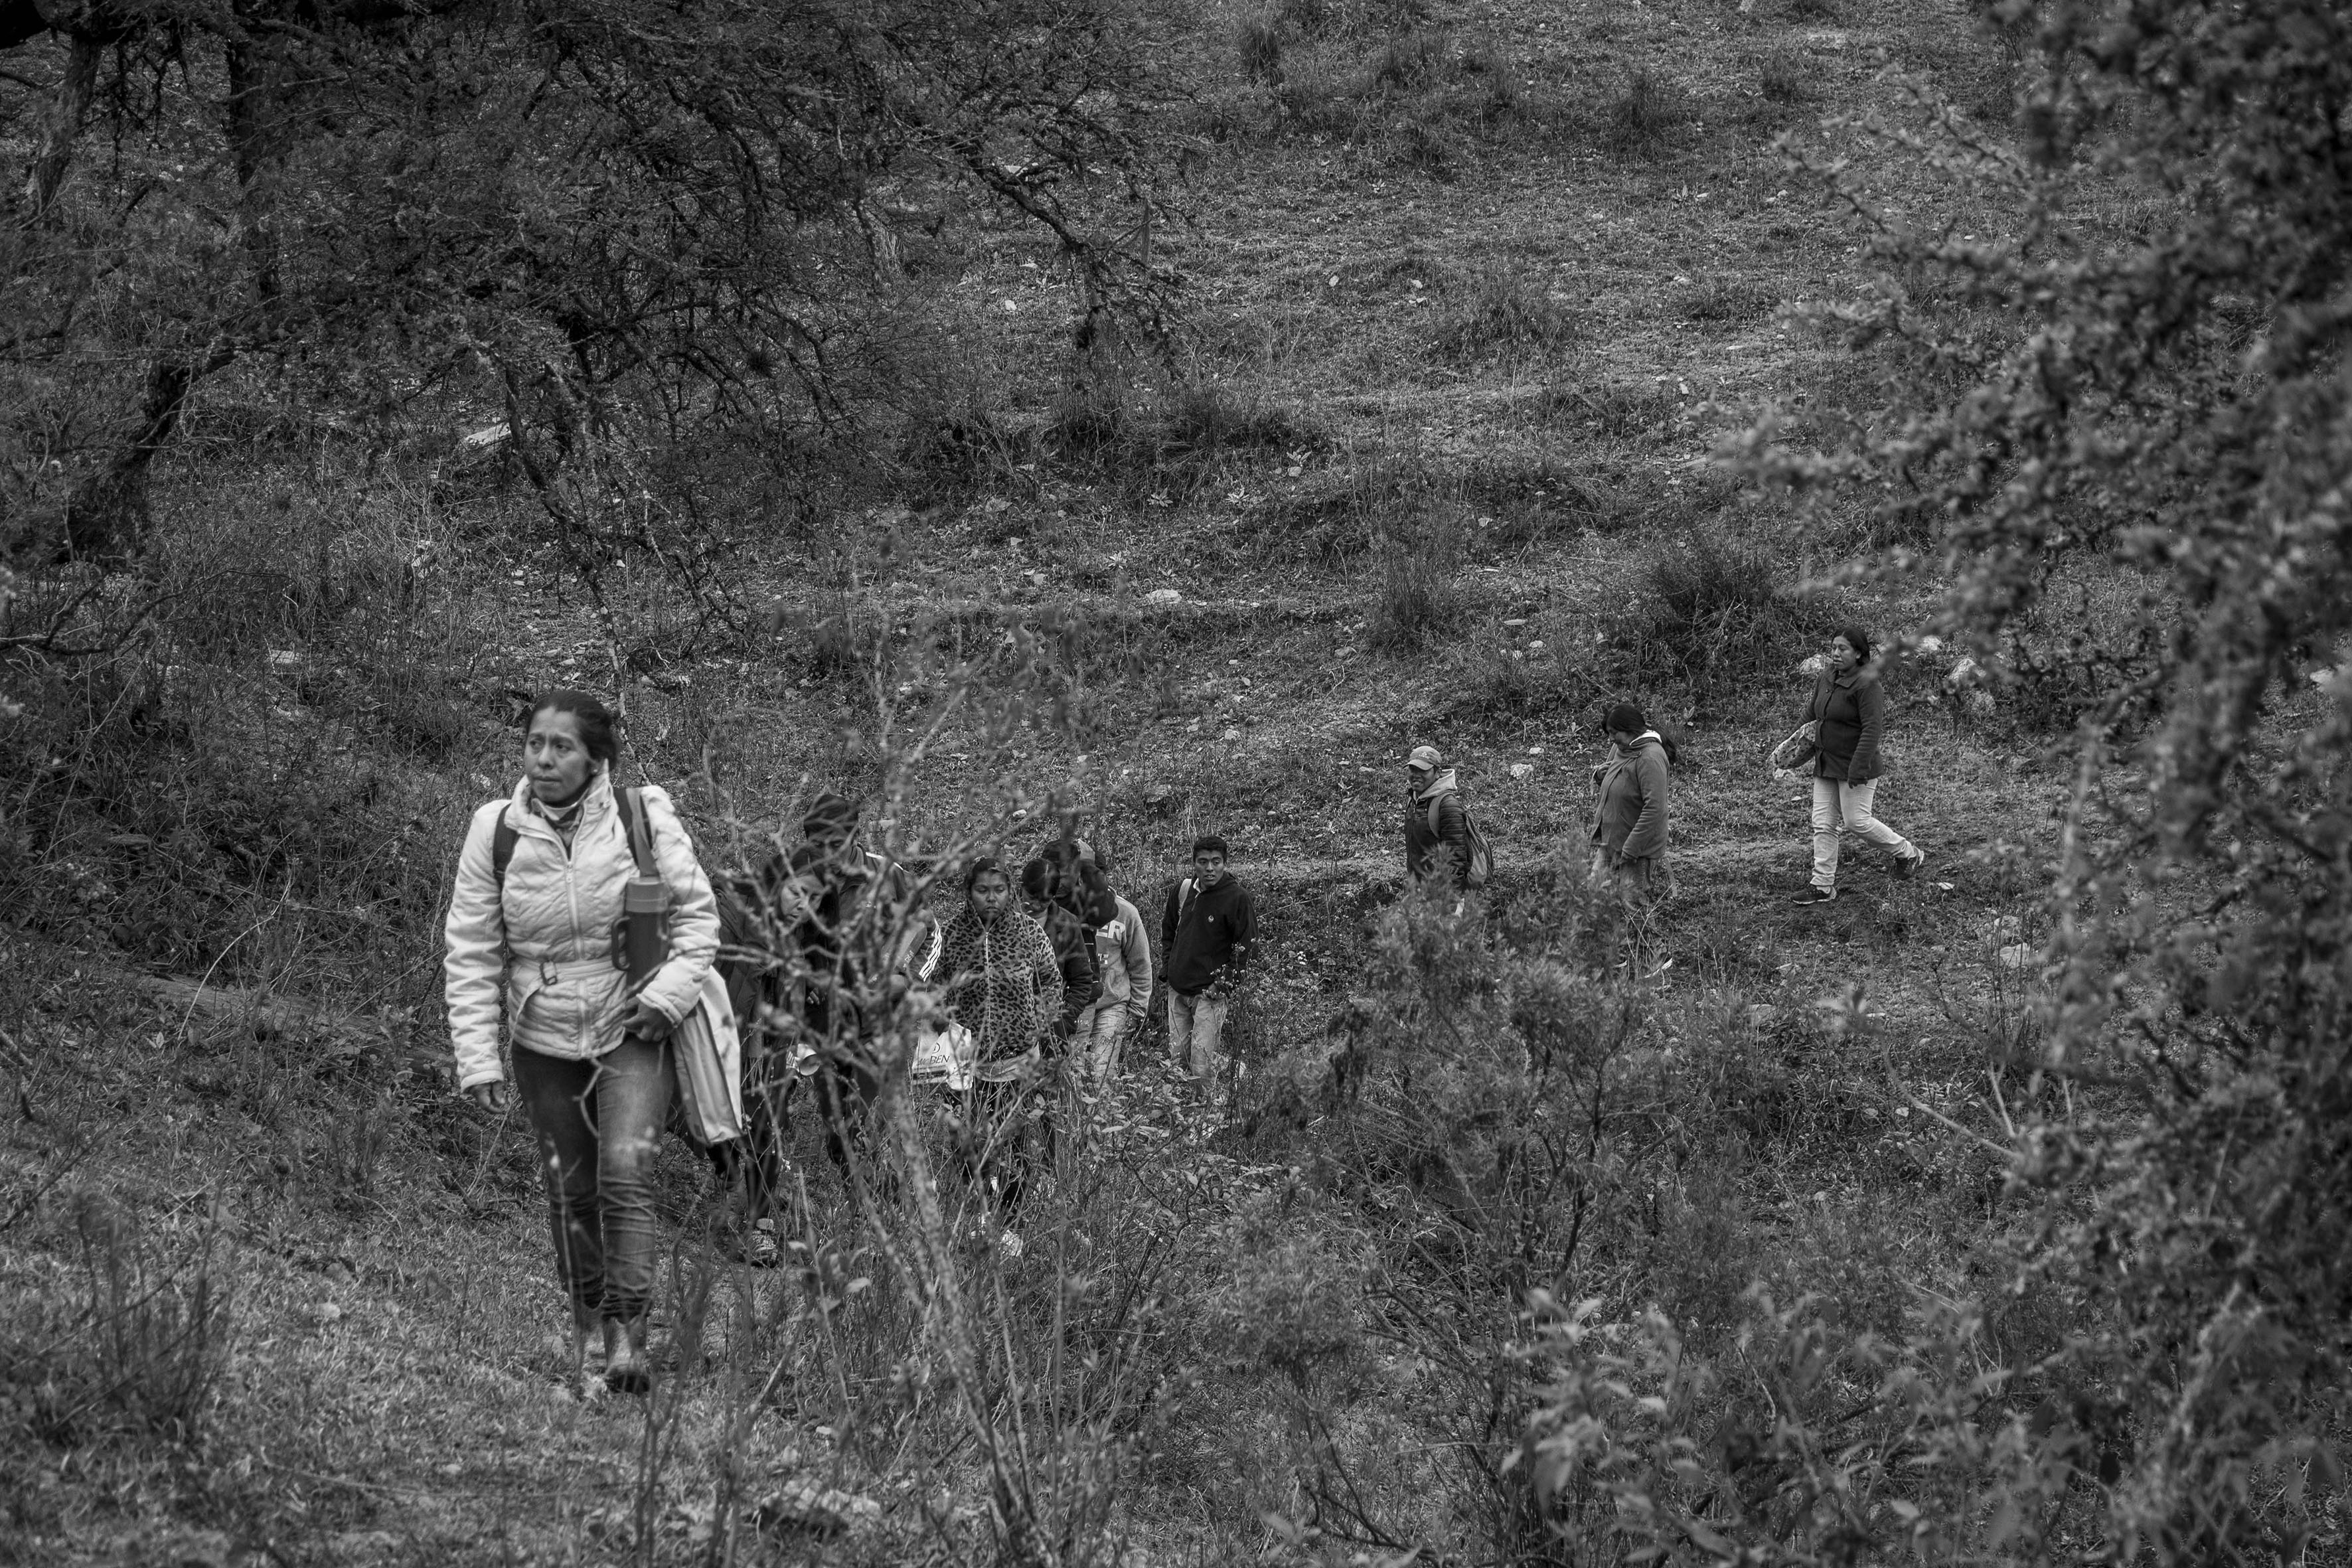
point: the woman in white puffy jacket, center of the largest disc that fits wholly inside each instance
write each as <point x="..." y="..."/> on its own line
<point x="591" y="1056"/>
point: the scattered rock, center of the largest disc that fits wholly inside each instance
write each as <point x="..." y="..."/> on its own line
<point x="827" y="1510"/>
<point x="1163" y="597"/>
<point x="1522" y="770"/>
<point x="2014" y="955"/>
<point x="1156" y="795"/>
<point x="1513" y="625"/>
<point x="1232" y="735"/>
<point x="1813" y="665"/>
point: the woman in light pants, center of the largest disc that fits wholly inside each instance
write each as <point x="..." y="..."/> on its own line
<point x="1849" y="707"/>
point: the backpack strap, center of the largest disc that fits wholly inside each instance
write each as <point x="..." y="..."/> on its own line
<point x="633" y="823"/>
<point x="1184" y="892"/>
<point x="503" y="839"/>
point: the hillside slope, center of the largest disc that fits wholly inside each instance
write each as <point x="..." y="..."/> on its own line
<point x="1470" y="293"/>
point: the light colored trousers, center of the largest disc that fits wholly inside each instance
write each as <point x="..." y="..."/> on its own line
<point x="1840" y="807"/>
<point x="1101" y="1034"/>
<point x="1196" y="1025"/>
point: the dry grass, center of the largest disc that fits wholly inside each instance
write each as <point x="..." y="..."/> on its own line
<point x="1594" y="267"/>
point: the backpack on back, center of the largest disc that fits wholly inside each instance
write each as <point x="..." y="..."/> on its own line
<point x="1482" y="858"/>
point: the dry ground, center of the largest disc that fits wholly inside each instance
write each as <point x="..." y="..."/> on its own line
<point x="393" y="1393"/>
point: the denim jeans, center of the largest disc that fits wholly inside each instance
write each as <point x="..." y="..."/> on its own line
<point x="598" y="1124"/>
<point x="1196" y="1025"/>
<point x="1103" y="1029"/>
<point x="1840" y="807"/>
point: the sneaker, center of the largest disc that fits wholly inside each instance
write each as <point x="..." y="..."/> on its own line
<point x="1908" y="865"/>
<point x="1817" y="895"/>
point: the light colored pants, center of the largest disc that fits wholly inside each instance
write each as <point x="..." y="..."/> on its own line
<point x="1102" y="1031"/>
<point x="1196" y="1023"/>
<point x="1840" y="807"/>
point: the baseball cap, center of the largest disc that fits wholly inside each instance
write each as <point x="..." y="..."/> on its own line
<point x="1425" y="757"/>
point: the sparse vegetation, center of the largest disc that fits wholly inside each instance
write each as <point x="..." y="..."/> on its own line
<point x="1296" y="387"/>
<point x="1417" y="600"/>
<point x="1712" y="610"/>
<point x="1496" y="313"/>
<point x="1638" y="119"/>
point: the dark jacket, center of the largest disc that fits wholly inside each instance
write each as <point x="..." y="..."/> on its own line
<point x="1852" y="712"/>
<point x="1206" y="937"/>
<point x="1452" y="832"/>
<point x="1631" y="820"/>
<point x="1074" y="955"/>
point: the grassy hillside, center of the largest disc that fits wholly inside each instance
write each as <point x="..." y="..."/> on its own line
<point x="1470" y="294"/>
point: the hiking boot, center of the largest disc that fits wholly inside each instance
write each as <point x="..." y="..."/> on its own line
<point x="1908" y="865"/>
<point x="626" y="1370"/>
<point x="755" y="1246"/>
<point x="1817" y="896"/>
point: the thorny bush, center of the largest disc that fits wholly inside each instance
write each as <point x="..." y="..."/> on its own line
<point x="2163" y="396"/>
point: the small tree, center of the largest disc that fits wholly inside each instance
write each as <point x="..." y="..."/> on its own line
<point x="664" y="245"/>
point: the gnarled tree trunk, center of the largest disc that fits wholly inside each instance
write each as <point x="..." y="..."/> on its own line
<point x="61" y="126"/>
<point x="106" y="515"/>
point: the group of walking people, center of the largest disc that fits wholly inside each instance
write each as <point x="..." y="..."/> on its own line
<point x="580" y="913"/>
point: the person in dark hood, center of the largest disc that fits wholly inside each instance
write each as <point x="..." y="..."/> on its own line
<point x="1437" y="828"/>
<point x="1629" y="823"/>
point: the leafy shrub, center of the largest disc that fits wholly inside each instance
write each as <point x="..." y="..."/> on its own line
<point x="1259" y="41"/>
<point x="1718" y="297"/>
<point x="1426" y="145"/>
<point x="1619" y="410"/>
<point x="1175" y="440"/>
<point x="1487" y="682"/>
<point x="1417" y="600"/>
<point x="1783" y="81"/>
<point x="1410" y="62"/>
<point x="1710" y="608"/>
<point x="1337" y="517"/>
<point x="1638" y="119"/>
<point x="138" y="1353"/>
<point x="960" y="451"/>
<point x="1499" y="313"/>
<point x="2189" y="1414"/>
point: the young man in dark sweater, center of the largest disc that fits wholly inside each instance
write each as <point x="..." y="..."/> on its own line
<point x="1205" y="934"/>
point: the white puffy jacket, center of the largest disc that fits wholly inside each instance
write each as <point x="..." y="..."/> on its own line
<point x="553" y="919"/>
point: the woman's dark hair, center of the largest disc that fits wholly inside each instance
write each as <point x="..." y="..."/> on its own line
<point x="1860" y="641"/>
<point x="1626" y="718"/>
<point x="981" y="867"/>
<point x="595" y="722"/>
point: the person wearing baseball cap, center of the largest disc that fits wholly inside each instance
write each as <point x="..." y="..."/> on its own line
<point x="1437" y="828"/>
